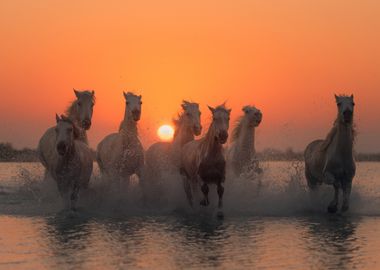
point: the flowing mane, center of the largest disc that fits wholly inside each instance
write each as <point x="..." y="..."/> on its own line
<point x="237" y="129"/>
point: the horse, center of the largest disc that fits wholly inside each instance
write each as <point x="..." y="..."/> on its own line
<point x="120" y="155"/>
<point x="331" y="161"/>
<point x="80" y="113"/>
<point x="203" y="161"/>
<point x="70" y="162"/>
<point x="242" y="154"/>
<point x="164" y="157"/>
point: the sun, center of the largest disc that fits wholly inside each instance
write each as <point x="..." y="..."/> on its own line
<point x="165" y="132"/>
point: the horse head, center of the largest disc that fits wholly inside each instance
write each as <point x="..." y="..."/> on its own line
<point x="253" y="115"/>
<point x="192" y="116"/>
<point x="84" y="107"/>
<point x="133" y="105"/>
<point x="220" y="122"/>
<point x="66" y="133"/>
<point x="345" y="108"/>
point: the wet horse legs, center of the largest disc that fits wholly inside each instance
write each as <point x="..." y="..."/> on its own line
<point x="333" y="206"/>
<point x="346" y="186"/>
<point x="205" y="191"/>
<point x="220" y="190"/>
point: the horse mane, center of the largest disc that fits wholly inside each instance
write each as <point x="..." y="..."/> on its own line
<point x="72" y="108"/>
<point x="237" y="129"/>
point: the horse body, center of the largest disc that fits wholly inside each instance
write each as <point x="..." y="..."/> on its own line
<point x="70" y="162"/>
<point x="242" y="154"/>
<point x="203" y="162"/>
<point x="121" y="154"/>
<point x="331" y="161"/>
<point x="80" y="113"/>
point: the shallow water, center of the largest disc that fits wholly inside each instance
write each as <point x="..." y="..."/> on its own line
<point x="276" y="227"/>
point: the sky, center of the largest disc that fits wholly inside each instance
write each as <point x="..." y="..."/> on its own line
<point x="286" y="57"/>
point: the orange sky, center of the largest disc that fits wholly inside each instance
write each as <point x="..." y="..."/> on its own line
<point x="286" y="57"/>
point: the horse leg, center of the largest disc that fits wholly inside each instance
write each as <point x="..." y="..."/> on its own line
<point x="205" y="190"/>
<point x="74" y="197"/>
<point x="333" y="206"/>
<point x="220" y="190"/>
<point x="346" y="186"/>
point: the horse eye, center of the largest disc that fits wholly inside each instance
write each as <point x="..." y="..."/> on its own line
<point x="127" y="102"/>
<point x="353" y="103"/>
<point x="79" y="104"/>
<point x="140" y="102"/>
<point x="339" y="103"/>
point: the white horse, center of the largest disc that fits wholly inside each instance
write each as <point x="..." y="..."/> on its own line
<point x="241" y="154"/>
<point x="203" y="162"/>
<point x="121" y="154"/>
<point x="331" y="161"/>
<point x="80" y="113"/>
<point x="164" y="157"/>
<point x="70" y="162"/>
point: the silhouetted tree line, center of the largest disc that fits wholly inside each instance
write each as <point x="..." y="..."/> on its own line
<point x="9" y="154"/>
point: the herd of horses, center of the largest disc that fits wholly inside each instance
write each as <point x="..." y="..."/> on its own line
<point x="64" y="152"/>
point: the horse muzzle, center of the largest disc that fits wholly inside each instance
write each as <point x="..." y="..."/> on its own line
<point x="86" y="124"/>
<point x="136" y="115"/>
<point x="223" y="136"/>
<point x="61" y="148"/>
<point x="347" y="116"/>
<point x="197" y="130"/>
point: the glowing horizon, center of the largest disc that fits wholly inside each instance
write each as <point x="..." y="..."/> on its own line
<point x="288" y="59"/>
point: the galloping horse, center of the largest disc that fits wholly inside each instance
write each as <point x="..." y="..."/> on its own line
<point x="70" y="161"/>
<point x="203" y="162"/>
<point x="331" y="161"/>
<point x="241" y="154"/>
<point x="80" y="113"/>
<point x="121" y="154"/>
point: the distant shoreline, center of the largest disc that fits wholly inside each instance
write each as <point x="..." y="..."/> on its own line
<point x="10" y="154"/>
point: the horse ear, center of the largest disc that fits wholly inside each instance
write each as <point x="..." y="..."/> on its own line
<point x="245" y="109"/>
<point x="211" y="109"/>
<point x="352" y="97"/>
<point x="229" y="111"/>
<point x="76" y="93"/>
<point x="93" y="93"/>
<point x="336" y="98"/>
<point x="125" y="95"/>
<point x="57" y="118"/>
<point x="140" y="96"/>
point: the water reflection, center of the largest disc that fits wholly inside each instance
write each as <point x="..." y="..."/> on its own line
<point x="332" y="241"/>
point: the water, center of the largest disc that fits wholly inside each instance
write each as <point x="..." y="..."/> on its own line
<point x="279" y="227"/>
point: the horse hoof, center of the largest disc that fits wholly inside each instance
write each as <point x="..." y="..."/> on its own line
<point x="220" y="214"/>
<point x="344" y="207"/>
<point x="332" y="209"/>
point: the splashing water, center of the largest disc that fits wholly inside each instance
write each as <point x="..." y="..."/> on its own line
<point x="281" y="190"/>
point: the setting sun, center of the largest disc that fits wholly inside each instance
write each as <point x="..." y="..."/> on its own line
<point x="165" y="132"/>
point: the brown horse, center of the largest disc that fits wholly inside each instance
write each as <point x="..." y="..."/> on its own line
<point x="203" y="162"/>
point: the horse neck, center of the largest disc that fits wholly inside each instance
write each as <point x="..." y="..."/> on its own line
<point x="344" y="139"/>
<point x="209" y="144"/>
<point x="246" y="140"/>
<point x="128" y="128"/>
<point x="183" y="135"/>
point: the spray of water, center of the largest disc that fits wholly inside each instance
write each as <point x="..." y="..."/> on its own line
<point x="280" y="190"/>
